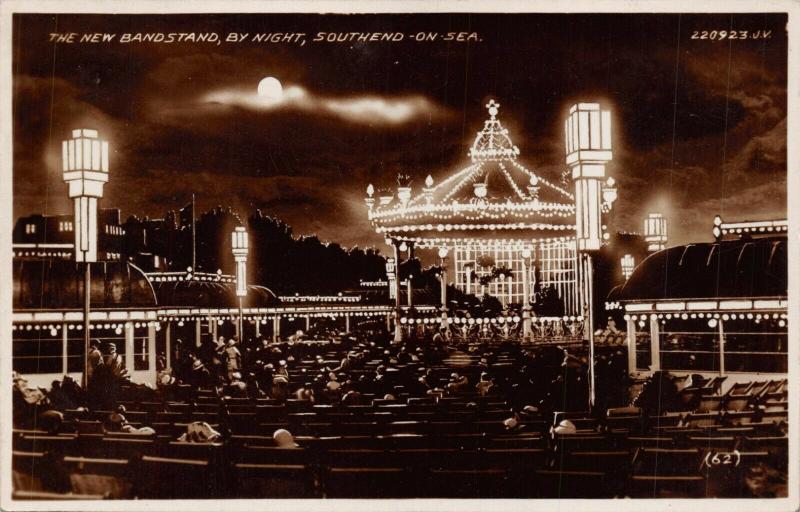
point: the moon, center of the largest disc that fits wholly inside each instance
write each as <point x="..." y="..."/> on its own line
<point x="270" y="89"/>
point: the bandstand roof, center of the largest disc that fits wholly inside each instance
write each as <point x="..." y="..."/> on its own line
<point x="728" y="269"/>
<point x="495" y="196"/>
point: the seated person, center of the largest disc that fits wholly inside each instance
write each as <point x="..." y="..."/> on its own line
<point x="116" y="422"/>
<point x="200" y="432"/>
<point x="284" y="439"/>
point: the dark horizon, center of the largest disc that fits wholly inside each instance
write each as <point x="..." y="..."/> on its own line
<point x="700" y="126"/>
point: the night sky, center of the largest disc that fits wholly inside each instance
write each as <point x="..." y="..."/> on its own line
<point x="700" y="125"/>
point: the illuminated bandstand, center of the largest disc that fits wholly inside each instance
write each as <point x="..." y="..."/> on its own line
<point x="510" y="231"/>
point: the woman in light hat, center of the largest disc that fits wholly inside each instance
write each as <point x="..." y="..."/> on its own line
<point x="284" y="439"/>
<point x="200" y="432"/>
<point x="565" y="427"/>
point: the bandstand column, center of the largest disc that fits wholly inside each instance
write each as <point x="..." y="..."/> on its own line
<point x="151" y="350"/>
<point x="630" y="326"/>
<point x="64" y="348"/>
<point x="198" y="328"/>
<point x="129" y="346"/>
<point x="526" y="303"/>
<point x="443" y="252"/>
<point x="168" y="343"/>
<point x="347" y="323"/>
<point x="655" y="344"/>
<point x="276" y="328"/>
<point x="308" y="322"/>
<point x="258" y="327"/>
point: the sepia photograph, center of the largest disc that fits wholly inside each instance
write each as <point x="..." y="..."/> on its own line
<point x="396" y="255"/>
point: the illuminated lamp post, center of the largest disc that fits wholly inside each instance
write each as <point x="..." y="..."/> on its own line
<point x="239" y="245"/>
<point x="394" y="293"/>
<point x="369" y="199"/>
<point x="85" y="166"/>
<point x="526" y="303"/>
<point x="655" y="232"/>
<point x="428" y="190"/>
<point x="587" y="131"/>
<point x="717" y="229"/>
<point x="628" y="264"/>
<point x="409" y="291"/>
<point x="443" y="278"/>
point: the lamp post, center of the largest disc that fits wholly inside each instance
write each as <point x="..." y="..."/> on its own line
<point x="628" y="264"/>
<point x="655" y="232"/>
<point x="526" y="303"/>
<point x="588" y="149"/>
<point x="443" y="257"/>
<point x="394" y="294"/>
<point x="239" y="245"/>
<point x="85" y="166"/>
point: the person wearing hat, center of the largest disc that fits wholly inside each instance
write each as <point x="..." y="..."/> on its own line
<point x="95" y="358"/>
<point x="200" y="377"/>
<point x="106" y="379"/>
<point x="565" y="427"/>
<point x="233" y="358"/>
<point x="200" y="432"/>
<point x="115" y="362"/>
<point x="58" y="398"/>
<point x="116" y="422"/>
<point x="513" y="423"/>
<point x="280" y="388"/>
<point x="25" y="402"/>
<point x="165" y="379"/>
<point x="457" y="383"/>
<point x="50" y="421"/>
<point x="284" y="439"/>
<point x="237" y="387"/>
<point x="485" y="384"/>
<point x="305" y="392"/>
<point x="283" y="369"/>
<point x="403" y="357"/>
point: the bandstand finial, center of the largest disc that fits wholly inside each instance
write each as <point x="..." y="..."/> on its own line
<point x="493" y="107"/>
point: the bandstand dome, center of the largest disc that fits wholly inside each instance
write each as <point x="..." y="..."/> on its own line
<point x="495" y="196"/>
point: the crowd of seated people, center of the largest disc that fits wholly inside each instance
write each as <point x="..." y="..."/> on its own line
<point x="359" y="416"/>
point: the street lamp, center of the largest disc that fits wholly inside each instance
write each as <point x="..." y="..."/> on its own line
<point x="393" y="276"/>
<point x="628" y="263"/>
<point x="588" y="150"/>
<point x="526" y="303"/>
<point x="239" y="245"/>
<point x="443" y="256"/>
<point x="394" y="294"/>
<point x="85" y="166"/>
<point x="655" y="232"/>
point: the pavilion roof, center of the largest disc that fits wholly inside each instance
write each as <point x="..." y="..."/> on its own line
<point x="495" y="188"/>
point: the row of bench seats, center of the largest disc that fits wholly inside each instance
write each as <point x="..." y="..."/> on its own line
<point x="444" y="472"/>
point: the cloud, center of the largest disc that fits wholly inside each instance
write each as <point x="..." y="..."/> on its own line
<point x="364" y="109"/>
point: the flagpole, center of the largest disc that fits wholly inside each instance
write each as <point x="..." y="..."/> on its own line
<point x="194" y="255"/>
